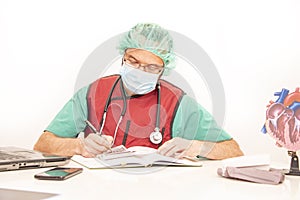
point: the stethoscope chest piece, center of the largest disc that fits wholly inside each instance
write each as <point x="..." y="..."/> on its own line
<point x="156" y="136"/>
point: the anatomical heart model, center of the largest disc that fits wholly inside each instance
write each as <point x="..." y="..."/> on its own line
<point x="283" y="122"/>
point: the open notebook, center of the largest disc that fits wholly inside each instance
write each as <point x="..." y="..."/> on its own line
<point x="15" y="158"/>
<point x="137" y="156"/>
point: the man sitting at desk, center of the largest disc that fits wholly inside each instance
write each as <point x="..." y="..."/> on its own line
<point x="137" y="108"/>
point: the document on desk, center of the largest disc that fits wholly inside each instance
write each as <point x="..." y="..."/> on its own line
<point x="138" y="156"/>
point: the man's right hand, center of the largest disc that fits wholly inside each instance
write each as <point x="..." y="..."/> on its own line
<point x="96" y="144"/>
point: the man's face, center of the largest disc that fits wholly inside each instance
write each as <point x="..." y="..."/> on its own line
<point x="143" y="60"/>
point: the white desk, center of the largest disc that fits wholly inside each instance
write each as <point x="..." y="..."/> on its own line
<point x="167" y="183"/>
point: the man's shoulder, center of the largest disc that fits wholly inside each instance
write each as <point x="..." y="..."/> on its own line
<point x="104" y="81"/>
<point x="171" y="87"/>
<point x="102" y="84"/>
<point x="108" y="78"/>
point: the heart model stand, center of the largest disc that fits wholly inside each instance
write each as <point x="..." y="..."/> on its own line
<point x="294" y="169"/>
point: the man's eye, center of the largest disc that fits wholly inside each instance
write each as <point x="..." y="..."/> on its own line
<point x="152" y="67"/>
<point x="132" y="61"/>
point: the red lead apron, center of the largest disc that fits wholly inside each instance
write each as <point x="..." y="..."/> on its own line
<point x="140" y="117"/>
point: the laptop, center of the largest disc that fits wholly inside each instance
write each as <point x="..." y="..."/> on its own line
<point x="15" y="158"/>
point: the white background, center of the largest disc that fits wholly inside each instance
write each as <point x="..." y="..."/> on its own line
<point x="255" y="46"/>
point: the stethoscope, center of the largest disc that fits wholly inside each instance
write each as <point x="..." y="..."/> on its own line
<point x="155" y="137"/>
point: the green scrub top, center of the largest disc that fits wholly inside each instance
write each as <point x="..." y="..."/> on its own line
<point x="191" y="121"/>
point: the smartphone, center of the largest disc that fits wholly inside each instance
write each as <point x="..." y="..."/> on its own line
<point x="58" y="173"/>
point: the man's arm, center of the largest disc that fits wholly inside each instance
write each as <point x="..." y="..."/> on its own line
<point x="195" y="132"/>
<point x="66" y="125"/>
<point x="52" y="144"/>
<point x="193" y="148"/>
<point x="89" y="146"/>
<point x="215" y="150"/>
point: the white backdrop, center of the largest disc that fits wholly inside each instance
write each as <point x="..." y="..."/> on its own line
<point x="255" y="46"/>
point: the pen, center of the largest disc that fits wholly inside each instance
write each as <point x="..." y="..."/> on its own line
<point x="94" y="129"/>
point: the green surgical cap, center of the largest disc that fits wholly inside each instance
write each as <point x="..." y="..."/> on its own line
<point x="153" y="38"/>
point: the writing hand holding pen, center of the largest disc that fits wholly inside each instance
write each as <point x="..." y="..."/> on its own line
<point x="96" y="143"/>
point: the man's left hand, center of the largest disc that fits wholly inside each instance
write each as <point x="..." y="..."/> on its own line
<point x="176" y="147"/>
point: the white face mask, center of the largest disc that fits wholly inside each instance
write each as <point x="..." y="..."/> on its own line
<point x="138" y="81"/>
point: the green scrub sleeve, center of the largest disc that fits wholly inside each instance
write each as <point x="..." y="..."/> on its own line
<point x="70" y="121"/>
<point x="193" y="122"/>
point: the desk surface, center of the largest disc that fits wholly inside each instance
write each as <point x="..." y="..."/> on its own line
<point x="164" y="183"/>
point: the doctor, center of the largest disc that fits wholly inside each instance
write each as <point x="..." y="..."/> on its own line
<point x="137" y="108"/>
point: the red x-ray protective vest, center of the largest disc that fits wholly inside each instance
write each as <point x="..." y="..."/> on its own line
<point x="140" y="117"/>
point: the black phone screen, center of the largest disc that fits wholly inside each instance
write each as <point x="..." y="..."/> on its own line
<point x="58" y="173"/>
